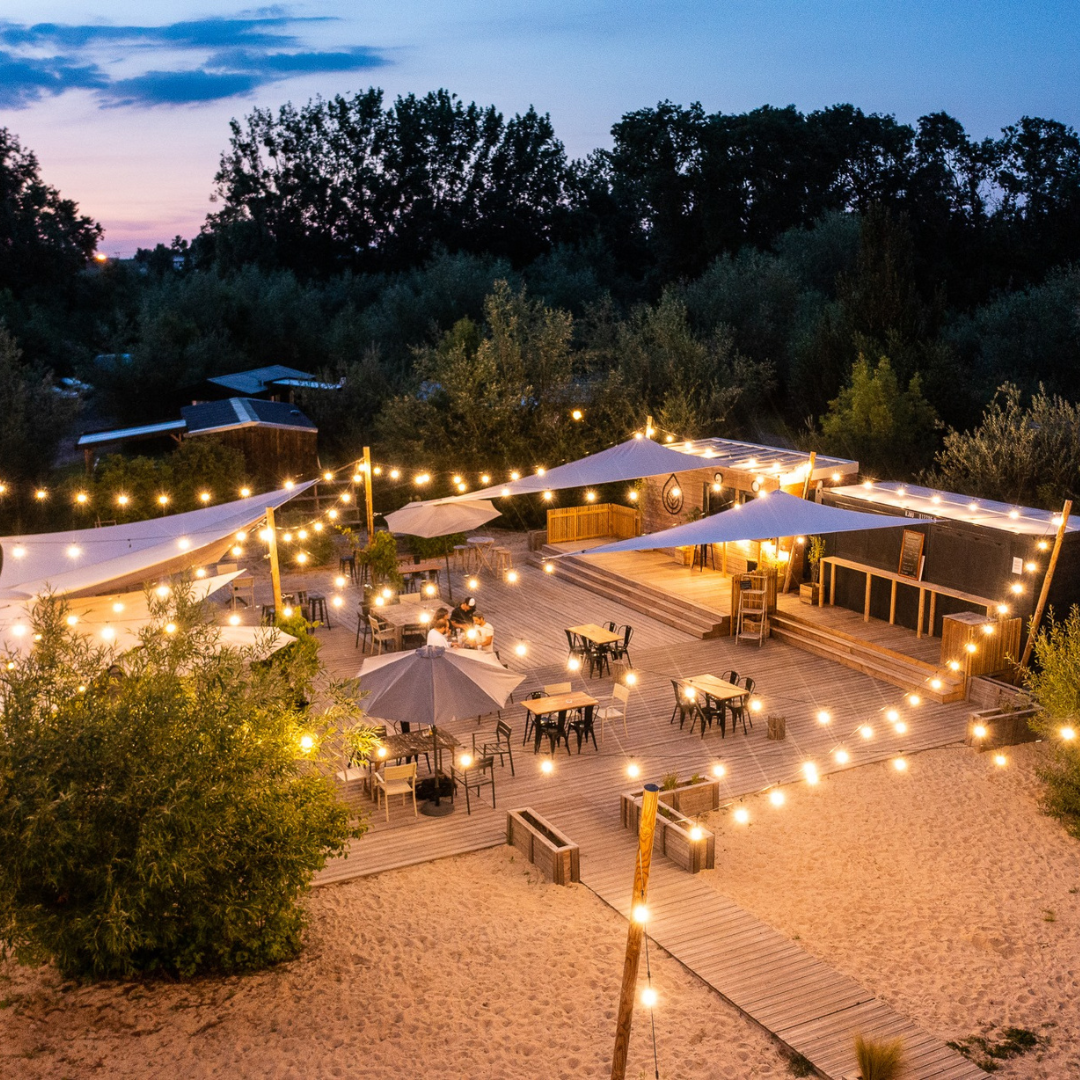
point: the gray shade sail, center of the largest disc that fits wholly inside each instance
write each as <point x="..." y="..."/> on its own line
<point x="777" y="514"/>
<point x="433" y="685"/>
<point x="630" y="460"/>
<point x="436" y="518"/>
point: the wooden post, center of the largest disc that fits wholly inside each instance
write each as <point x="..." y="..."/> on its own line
<point x="367" y="494"/>
<point x="1033" y="629"/>
<point x="805" y="493"/>
<point x="275" y="570"/>
<point x="648" y="425"/>
<point x="636" y="931"/>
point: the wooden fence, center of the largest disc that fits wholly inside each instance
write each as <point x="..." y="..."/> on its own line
<point x="589" y="522"/>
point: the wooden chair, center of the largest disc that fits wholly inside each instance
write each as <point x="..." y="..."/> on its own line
<point x="615" y="710"/>
<point x="381" y="635"/>
<point x="501" y="744"/>
<point x="481" y="773"/>
<point x="396" y="780"/>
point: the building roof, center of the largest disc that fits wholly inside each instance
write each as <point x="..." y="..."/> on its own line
<point x="142" y="431"/>
<point x="915" y="501"/>
<point x="785" y="466"/>
<point x="259" y="380"/>
<point x="238" y="412"/>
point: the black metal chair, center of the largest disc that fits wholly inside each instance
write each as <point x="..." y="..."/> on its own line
<point x="480" y="774"/>
<point x="576" y="647"/>
<point x="740" y="707"/>
<point x="684" y="706"/>
<point x="620" y="650"/>
<point x="530" y="717"/>
<point x="363" y="627"/>
<point x="495" y="742"/>
<point x="582" y="726"/>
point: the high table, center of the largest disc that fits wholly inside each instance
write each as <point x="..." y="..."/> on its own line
<point x="559" y="704"/>
<point x="482" y="546"/>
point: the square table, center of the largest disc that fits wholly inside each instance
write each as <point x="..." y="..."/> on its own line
<point x="598" y="635"/>
<point x="717" y="688"/>
<point x="398" y="616"/>
<point x="558" y="703"/>
<point x="412" y="744"/>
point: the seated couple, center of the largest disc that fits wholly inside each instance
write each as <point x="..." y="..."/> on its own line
<point x="464" y="627"/>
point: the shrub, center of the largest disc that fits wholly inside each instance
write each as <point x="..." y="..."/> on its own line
<point x="878" y="1059"/>
<point x="1055" y="685"/>
<point x="159" y="810"/>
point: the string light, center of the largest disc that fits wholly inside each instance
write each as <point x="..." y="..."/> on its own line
<point x="547" y="766"/>
<point x="633" y="770"/>
<point x="719" y="771"/>
<point x="245" y="493"/>
<point x="842" y="757"/>
<point x="899" y="764"/>
<point x="742" y="815"/>
<point x="1000" y="760"/>
<point x="234" y="620"/>
<point x="122" y="500"/>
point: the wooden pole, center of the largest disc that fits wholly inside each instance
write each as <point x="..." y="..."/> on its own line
<point x="636" y="931"/>
<point x="275" y="570"/>
<point x="1041" y="607"/>
<point x="805" y="494"/>
<point x="367" y="494"/>
<point x="648" y="426"/>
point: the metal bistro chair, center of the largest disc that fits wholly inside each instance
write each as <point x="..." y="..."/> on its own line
<point x="709" y="710"/>
<point x="530" y="717"/>
<point x="495" y="742"/>
<point x="684" y="705"/>
<point x="620" y="650"/>
<point x="740" y="708"/>
<point x="363" y="625"/>
<point x="481" y="773"/>
<point x="582" y="726"/>
<point x="576" y="647"/>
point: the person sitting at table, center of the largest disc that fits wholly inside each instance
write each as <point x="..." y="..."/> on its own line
<point x="440" y="631"/>
<point x="461" y="618"/>
<point x="485" y="633"/>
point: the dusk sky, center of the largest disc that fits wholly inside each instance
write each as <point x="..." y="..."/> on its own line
<point x="127" y="104"/>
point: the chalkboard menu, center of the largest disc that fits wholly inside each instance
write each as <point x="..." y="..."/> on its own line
<point x="911" y="550"/>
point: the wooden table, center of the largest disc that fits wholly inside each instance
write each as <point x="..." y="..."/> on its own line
<point x="482" y="546"/>
<point x="598" y="635"/>
<point x="560" y="704"/>
<point x="398" y="616"/>
<point x="411" y="744"/>
<point x="715" y="687"/>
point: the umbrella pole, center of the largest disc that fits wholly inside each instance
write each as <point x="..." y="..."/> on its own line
<point x="436" y="807"/>
<point x="449" y="583"/>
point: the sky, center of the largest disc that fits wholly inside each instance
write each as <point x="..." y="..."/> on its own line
<point x="127" y="104"/>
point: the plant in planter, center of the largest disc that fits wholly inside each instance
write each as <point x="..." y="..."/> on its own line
<point x="879" y="1059"/>
<point x="670" y="782"/>
<point x="815" y="548"/>
<point x="381" y="556"/>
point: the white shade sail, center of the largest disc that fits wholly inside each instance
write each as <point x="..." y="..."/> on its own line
<point x="437" y="518"/>
<point x="777" y="514"/>
<point x="116" y="619"/>
<point x="86" y="562"/>
<point x="630" y="460"/>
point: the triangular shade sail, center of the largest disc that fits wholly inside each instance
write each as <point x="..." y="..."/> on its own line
<point x="630" y="460"/>
<point x="84" y="562"/>
<point x="777" y="514"/>
<point x="440" y="518"/>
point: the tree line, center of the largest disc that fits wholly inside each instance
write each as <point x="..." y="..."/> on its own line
<point x="732" y="274"/>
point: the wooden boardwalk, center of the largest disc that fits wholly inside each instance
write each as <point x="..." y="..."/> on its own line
<point x="808" y="1006"/>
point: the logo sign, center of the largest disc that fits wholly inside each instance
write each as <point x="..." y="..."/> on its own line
<point x="672" y="496"/>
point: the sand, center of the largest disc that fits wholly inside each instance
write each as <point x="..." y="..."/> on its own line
<point x="943" y="890"/>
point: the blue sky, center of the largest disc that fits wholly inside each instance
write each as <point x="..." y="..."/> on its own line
<point x="127" y="104"/>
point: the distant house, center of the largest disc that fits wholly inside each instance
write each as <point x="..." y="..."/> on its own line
<point x="275" y="437"/>
<point x="275" y="382"/>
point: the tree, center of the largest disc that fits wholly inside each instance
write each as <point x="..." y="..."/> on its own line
<point x="1028" y="456"/>
<point x="159" y="810"/>
<point x="44" y="240"/>
<point x="35" y="416"/>
<point x="1055" y="684"/>
<point x="889" y="431"/>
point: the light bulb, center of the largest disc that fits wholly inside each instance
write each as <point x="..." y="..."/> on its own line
<point x="842" y="757"/>
<point x="234" y="620"/>
<point x="547" y="766"/>
<point x="742" y="815"/>
<point x="776" y="797"/>
<point x="633" y="770"/>
<point x="719" y="771"/>
<point x="823" y="717"/>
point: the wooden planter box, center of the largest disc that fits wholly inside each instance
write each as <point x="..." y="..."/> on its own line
<point x="673" y="837"/>
<point x="1002" y="728"/>
<point x="556" y="856"/>
<point x="808" y="592"/>
<point x="692" y="799"/>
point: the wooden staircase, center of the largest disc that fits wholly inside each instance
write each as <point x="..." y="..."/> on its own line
<point x="896" y="668"/>
<point x="672" y="610"/>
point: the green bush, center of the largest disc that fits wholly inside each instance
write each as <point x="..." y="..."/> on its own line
<point x="1055" y="685"/>
<point x="159" y="810"/>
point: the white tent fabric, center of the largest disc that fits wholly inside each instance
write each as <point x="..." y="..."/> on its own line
<point x="116" y="619"/>
<point x="630" y="460"/>
<point x="85" y="562"/>
<point x="777" y="514"/>
<point x="434" y="518"/>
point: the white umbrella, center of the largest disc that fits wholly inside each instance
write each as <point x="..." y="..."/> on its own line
<point x="430" y="519"/>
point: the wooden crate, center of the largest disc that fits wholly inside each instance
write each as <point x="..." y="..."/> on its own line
<point x="996" y="648"/>
<point x="1002" y="728"/>
<point x="553" y="853"/>
<point x="808" y="592"/>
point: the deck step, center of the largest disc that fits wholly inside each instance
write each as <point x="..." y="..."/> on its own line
<point x="671" y="610"/>
<point x="897" y="669"/>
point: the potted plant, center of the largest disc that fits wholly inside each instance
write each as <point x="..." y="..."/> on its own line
<point x="808" y="591"/>
<point x="381" y="557"/>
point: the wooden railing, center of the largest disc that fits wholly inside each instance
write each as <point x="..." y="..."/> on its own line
<point x="589" y="522"/>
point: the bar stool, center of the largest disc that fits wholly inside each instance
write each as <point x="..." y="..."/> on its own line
<point x="462" y="556"/>
<point x="269" y="616"/>
<point x="348" y="563"/>
<point x="317" y="609"/>
<point x="503" y="560"/>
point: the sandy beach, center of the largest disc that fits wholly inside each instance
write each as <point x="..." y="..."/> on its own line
<point x="943" y="890"/>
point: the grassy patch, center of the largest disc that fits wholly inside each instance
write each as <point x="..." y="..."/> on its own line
<point x="988" y="1053"/>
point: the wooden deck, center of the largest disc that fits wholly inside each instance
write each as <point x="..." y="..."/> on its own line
<point x="811" y="1008"/>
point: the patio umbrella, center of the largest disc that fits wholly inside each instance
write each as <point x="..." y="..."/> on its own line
<point x="430" y="519"/>
<point x="433" y="685"/>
